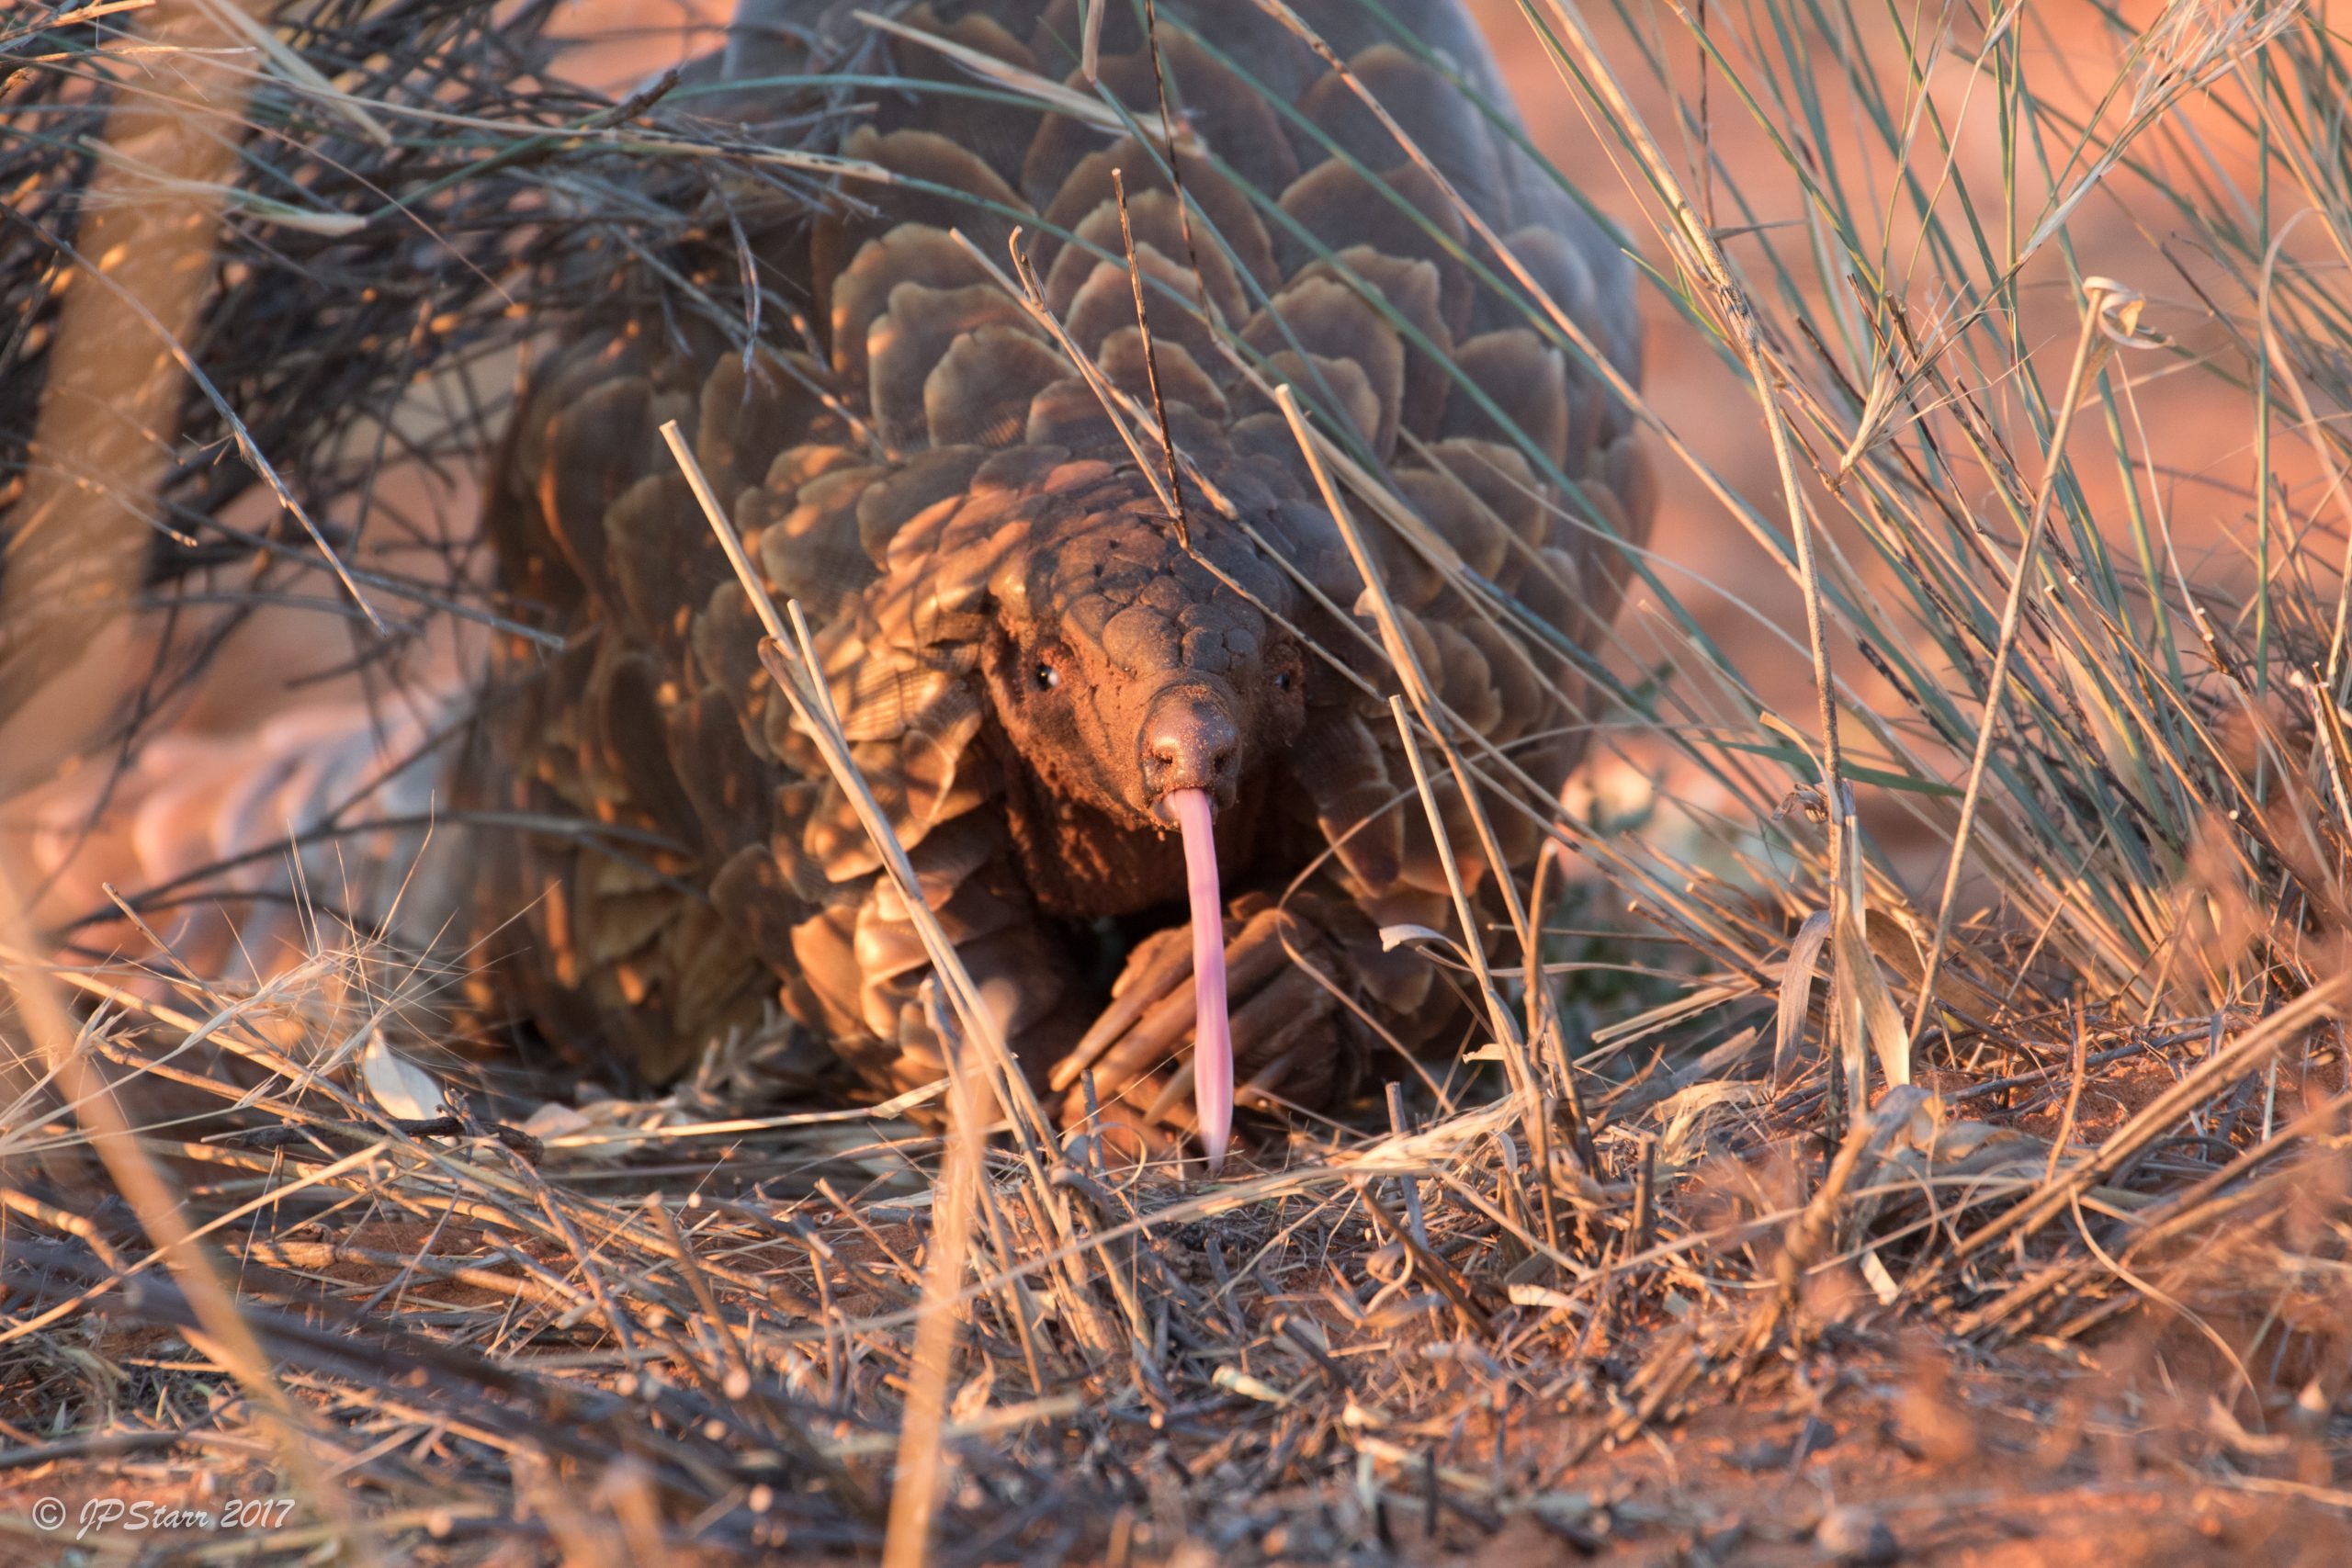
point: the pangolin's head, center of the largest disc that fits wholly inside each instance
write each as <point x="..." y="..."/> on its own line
<point x="1143" y="679"/>
<point x="1127" y="670"/>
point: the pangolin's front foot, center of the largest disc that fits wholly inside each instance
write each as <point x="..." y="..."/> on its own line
<point x="1295" y="1042"/>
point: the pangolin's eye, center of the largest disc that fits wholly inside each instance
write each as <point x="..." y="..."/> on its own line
<point x="1282" y="681"/>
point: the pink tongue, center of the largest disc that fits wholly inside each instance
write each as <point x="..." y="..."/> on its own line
<point x="1212" y="1030"/>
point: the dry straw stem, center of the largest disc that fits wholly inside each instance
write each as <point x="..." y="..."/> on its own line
<point x="2103" y="299"/>
<point x="90" y="1097"/>
<point x="1697" y="245"/>
<point x="1526" y="1079"/>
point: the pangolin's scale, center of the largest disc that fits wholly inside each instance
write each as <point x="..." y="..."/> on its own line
<point x="998" y="591"/>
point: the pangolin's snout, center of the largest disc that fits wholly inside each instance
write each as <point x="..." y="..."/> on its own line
<point x="1189" y="741"/>
<point x="1191" y="755"/>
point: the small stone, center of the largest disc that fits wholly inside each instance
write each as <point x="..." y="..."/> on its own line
<point x="1856" y="1537"/>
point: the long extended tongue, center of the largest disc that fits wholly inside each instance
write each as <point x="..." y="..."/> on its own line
<point x="1212" y="1030"/>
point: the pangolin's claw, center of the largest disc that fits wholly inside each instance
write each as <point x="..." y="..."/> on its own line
<point x="1160" y="961"/>
<point x="1279" y="1026"/>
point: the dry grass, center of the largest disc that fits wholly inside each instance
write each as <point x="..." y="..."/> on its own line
<point x="2021" y="1224"/>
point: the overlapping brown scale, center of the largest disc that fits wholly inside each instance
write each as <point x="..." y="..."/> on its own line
<point x="825" y="955"/>
<point x="905" y="491"/>
<point x="1574" y="260"/>
<point x="746" y="417"/>
<point x="892" y="965"/>
<point x="795" y="800"/>
<point x="978" y="392"/>
<point x="630" y="905"/>
<point x="1576" y="584"/>
<point x="1409" y="287"/>
<point x="1525" y="380"/>
<point x="1069" y="415"/>
<point x="1156" y="225"/>
<point x="1442" y="124"/>
<point x="1232" y="118"/>
<point x="519" y="517"/>
<point x="887" y="691"/>
<point x="623" y="708"/>
<point x="1459" y="516"/>
<point x="1622" y="491"/>
<point x="1415" y="630"/>
<point x="1411" y="580"/>
<point x="708" y="981"/>
<point x="1342" y="207"/>
<point x="1553" y="590"/>
<point x="1006" y="475"/>
<point x="981" y="506"/>
<point x="1485" y="502"/>
<point x="948" y="855"/>
<point x="912" y="252"/>
<point x="1567" y="278"/>
<point x="1104" y="303"/>
<point x="907" y="342"/>
<point x="974" y="31"/>
<point x="1228" y="211"/>
<point x="971" y="542"/>
<point x="835" y="840"/>
<point x="1526" y="693"/>
<point x="546" y="715"/>
<point x="1014" y="967"/>
<point x="1457" y="673"/>
<point x="808" y="545"/>
<point x="907" y="1058"/>
<point x="1626" y="475"/>
<point x="1022" y="978"/>
<point x="662" y="559"/>
<point x="1462" y="833"/>
<point x="1182" y="379"/>
<point x="751" y="896"/>
<point x="1517" y="834"/>
<point x="801" y="464"/>
<point x="1464" y="682"/>
<point x="1397" y="981"/>
<point x="1606" y="512"/>
<point x="1504" y="482"/>
<point x="1262" y="438"/>
<point x="1064" y="141"/>
<point x="927" y="776"/>
<point x="1344" y="773"/>
<point x="945" y="617"/>
<point x="940" y="182"/>
<point x="595" y="451"/>
<point x="1306" y="537"/>
<point x="1001" y="133"/>
<point x="1326" y="320"/>
<point x="726" y="642"/>
<point x="1337" y="389"/>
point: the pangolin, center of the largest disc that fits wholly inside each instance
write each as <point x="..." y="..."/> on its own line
<point x="1065" y="664"/>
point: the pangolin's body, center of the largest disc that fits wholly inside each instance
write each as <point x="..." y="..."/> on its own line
<point x="1031" y="657"/>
